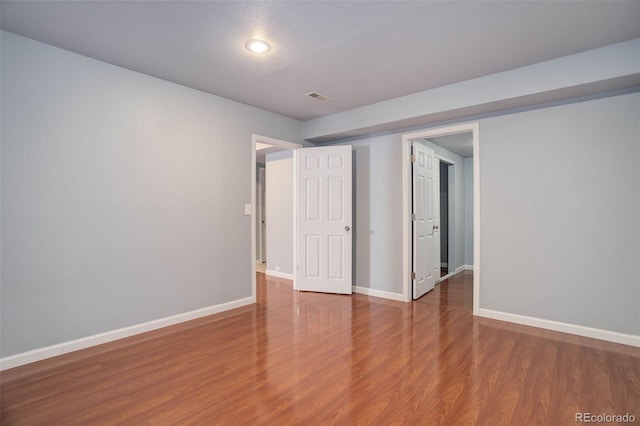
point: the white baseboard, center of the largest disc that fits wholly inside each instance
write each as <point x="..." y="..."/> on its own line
<point x="378" y="293"/>
<point x="109" y="336"/>
<point x="464" y="268"/>
<point x="279" y="274"/>
<point x="595" y="333"/>
<point x="446" y="277"/>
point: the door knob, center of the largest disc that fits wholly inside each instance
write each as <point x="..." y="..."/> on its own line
<point x="436" y="227"/>
<point x="346" y="228"/>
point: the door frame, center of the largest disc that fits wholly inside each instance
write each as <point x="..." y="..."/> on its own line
<point x="406" y="203"/>
<point x="287" y="145"/>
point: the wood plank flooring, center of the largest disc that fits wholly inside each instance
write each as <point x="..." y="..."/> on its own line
<point x="454" y="293"/>
<point x="305" y="358"/>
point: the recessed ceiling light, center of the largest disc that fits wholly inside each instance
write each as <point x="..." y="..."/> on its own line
<point x="258" y="46"/>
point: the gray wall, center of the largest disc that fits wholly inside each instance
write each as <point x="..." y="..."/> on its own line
<point x="122" y="196"/>
<point x="122" y="202"/>
<point x="377" y="169"/>
<point x="279" y="201"/>
<point x="378" y="213"/>
<point x="468" y="211"/>
<point x="552" y="245"/>
<point x="560" y="209"/>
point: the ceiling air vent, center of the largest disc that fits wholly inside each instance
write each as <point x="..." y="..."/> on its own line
<point x="316" y="95"/>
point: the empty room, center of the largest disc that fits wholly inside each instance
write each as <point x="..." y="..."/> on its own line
<point x="312" y="212"/>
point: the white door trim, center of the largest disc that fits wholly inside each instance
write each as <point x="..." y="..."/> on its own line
<point x="446" y="160"/>
<point x="406" y="203"/>
<point x="283" y="144"/>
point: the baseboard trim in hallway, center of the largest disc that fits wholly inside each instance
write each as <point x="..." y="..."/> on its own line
<point x="277" y="274"/>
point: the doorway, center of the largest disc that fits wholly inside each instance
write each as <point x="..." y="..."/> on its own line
<point x="261" y="217"/>
<point x="449" y="207"/>
<point x="433" y="203"/>
<point x="259" y="234"/>
<point x="407" y="199"/>
<point x="321" y="217"/>
<point x="446" y="242"/>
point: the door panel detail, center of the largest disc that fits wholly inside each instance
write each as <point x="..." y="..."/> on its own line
<point x="425" y="237"/>
<point x="324" y="219"/>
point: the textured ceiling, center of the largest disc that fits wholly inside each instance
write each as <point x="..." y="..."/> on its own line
<point x="355" y="52"/>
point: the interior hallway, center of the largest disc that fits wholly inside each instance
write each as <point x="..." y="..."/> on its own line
<point x="307" y="358"/>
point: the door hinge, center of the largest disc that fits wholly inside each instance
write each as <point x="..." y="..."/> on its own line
<point x="413" y="217"/>
<point x="413" y="275"/>
<point x="413" y="158"/>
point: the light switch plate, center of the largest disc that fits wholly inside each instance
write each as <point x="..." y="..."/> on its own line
<point x="247" y="209"/>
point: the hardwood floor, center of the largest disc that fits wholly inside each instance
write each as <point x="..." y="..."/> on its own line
<point x="453" y="293"/>
<point x="305" y="358"/>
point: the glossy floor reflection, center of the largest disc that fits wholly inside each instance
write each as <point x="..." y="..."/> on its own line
<point x="306" y="358"/>
<point x="455" y="292"/>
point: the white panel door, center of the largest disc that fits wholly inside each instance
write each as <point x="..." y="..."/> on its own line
<point x="426" y="262"/>
<point x="324" y="219"/>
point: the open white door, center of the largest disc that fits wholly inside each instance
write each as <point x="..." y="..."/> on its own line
<point x="426" y="262"/>
<point x="324" y="219"/>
